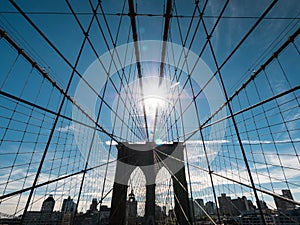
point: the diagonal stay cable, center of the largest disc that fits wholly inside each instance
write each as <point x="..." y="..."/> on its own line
<point x="189" y="47"/>
<point x="53" y="128"/>
<point x="138" y="63"/>
<point x="235" y="49"/>
<point x="163" y="56"/>
<point x="46" y="76"/>
<point x="251" y="78"/>
<point x="98" y="57"/>
<point x="68" y="63"/>
<point x="57" y="179"/>
<point x="49" y="140"/>
<point x="115" y="51"/>
<point x="173" y="176"/>
<point x="82" y="13"/>
<point x="233" y="180"/>
<point x="236" y="129"/>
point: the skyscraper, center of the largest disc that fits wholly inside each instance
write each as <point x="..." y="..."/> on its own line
<point x="93" y="206"/>
<point x="283" y="205"/>
<point x="211" y="207"/>
<point x="197" y="205"/>
<point x="226" y="207"/>
<point x="48" y="204"/>
<point x="131" y="211"/>
<point x="68" y="205"/>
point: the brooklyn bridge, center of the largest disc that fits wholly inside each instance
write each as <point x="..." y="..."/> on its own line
<point x="127" y="112"/>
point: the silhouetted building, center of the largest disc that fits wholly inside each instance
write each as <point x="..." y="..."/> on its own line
<point x="131" y="209"/>
<point x="68" y="209"/>
<point x="240" y="205"/>
<point x="88" y="218"/>
<point x="67" y="218"/>
<point x="45" y="216"/>
<point x="234" y="207"/>
<point x="211" y="208"/>
<point x="93" y="206"/>
<point x="290" y="217"/>
<point x="226" y="208"/>
<point x="253" y="217"/>
<point x="197" y="205"/>
<point x="199" y="210"/>
<point x="283" y="205"/>
<point x="68" y="205"/>
<point x="93" y="216"/>
<point x="48" y="204"/>
<point x="263" y="205"/>
<point x="42" y="218"/>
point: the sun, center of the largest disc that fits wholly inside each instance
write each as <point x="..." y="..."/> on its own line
<point x="154" y="104"/>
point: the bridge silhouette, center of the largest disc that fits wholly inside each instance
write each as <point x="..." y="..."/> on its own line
<point x="149" y="112"/>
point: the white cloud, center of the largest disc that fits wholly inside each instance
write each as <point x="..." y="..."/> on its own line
<point x="66" y="129"/>
<point x="257" y="142"/>
<point x="111" y="142"/>
<point x="200" y="142"/>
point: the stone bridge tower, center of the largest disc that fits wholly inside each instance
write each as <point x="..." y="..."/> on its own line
<point x="150" y="158"/>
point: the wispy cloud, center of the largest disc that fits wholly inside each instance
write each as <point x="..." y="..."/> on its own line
<point x="66" y="129"/>
<point x="111" y="143"/>
<point x="200" y="142"/>
<point x="257" y="142"/>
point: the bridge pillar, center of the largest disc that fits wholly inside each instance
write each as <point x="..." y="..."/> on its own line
<point x="182" y="208"/>
<point x="118" y="205"/>
<point x="149" y="217"/>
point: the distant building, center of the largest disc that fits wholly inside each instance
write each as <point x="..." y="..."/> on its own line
<point x="45" y="216"/>
<point x="290" y="217"/>
<point x="48" y="205"/>
<point x="234" y="207"/>
<point x="93" y="206"/>
<point x="42" y="218"/>
<point x="263" y="205"/>
<point x="226" y="208"/>
<point x="240" y="205"/>
<point x="253" y="217"/>
<point x="93" y="216"/>
<point x="160" y="214"/>
<point x="131" y="209"/>
<point x="68" y="205"/>
<point x="283" y="205"/>
<point x="197" y="205"/>
<point x="211" y="208"/>
<point x="199" y="210"/>
<point x="68" y="209"/>
<point x="67" y="218"/>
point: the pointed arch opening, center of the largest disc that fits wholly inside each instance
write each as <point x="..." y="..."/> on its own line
<point x="164" y="202"/>
<point x="136" y="186"/>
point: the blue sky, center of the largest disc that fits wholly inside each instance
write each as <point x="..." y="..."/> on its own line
<point x="269" y="133"/>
